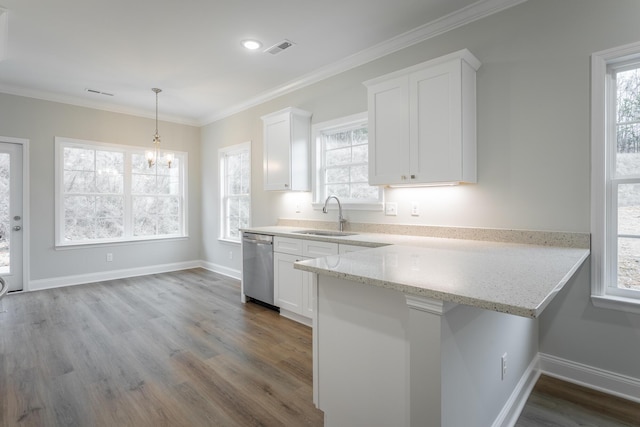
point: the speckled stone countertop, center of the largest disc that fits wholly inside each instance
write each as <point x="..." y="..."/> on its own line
<point x="519" y="279"/>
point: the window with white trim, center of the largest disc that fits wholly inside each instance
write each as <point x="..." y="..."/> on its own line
<point x="341" y="163"/>
<point x="109" y="193"/>
<point x="235" y="190"/>
<point x="616" y="178"/>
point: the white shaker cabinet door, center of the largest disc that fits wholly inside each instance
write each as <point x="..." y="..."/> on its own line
<point x="389" y="150"/>
<point x="422" y="123"/>
<point x="436" y="128"/>
<point x="277" y="154"/>
<point x="288" y="282"/>
<point x="287" y="135"/>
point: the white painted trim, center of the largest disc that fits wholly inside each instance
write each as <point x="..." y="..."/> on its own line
<point x="612" y="302"/>
<point x="222" y="186"/>
<point x="428" y="305"/>
<point x="464" y="16"/>
<point x="317" y="164"/>
<point x="473" y="12"/>
<point x="61" y="142"/>
<point x="26" y="217"/>
<point x="96" y="105"/>
<point x="602" y="380"/>
<point x="514" y="405"/>
<point x="221" y="269"/>
<point x="296" y="317"/>
<point x="603" y="216"/>
<point x="80" y="279"/>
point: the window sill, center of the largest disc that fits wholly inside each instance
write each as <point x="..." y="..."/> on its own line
<point x="70" y="246"/>
<point x="629" y="305"/>
<point x="233" y="242"/>
<point x="351" y="206"/>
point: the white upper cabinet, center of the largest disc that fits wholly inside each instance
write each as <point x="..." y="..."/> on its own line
<point x="287" y="135"/>
<point x="422" y="123"/>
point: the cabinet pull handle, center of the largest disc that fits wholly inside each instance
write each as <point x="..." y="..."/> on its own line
<point x="403" y="177"/>
<point x="413" y="177"/>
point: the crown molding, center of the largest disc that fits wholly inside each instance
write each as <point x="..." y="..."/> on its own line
<point x="459" y="18"/>
<point x="97" y="105"/>
<point x="464" y="16"/>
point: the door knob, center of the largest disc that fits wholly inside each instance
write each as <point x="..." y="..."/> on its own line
<point x="17" y="228"/>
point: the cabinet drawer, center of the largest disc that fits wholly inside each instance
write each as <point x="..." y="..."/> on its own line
<point x="287" y="245"/>
<point x="313" y="249"/>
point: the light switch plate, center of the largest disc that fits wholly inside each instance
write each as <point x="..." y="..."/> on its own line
<point x="391" y="209"/>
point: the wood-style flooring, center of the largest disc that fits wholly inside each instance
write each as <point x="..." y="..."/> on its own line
<point x="555" y="403"/>
<point x="173" y="349"/>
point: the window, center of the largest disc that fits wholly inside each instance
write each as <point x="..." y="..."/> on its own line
<point x="616" y="178"/>
<point x="108" y="193"/>
<point x="341" y="161"/>
<point x="235" y="190"/>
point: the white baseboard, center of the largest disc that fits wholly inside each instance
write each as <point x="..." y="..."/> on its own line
<point x="79" y="279"/>
<point x="598" y="379"/>
<point x="221" y="269"/>
<point x="295" y="317"/>
<point x="513" y="407"/>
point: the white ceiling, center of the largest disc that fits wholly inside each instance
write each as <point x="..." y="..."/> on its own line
<point x="191" y="49"/>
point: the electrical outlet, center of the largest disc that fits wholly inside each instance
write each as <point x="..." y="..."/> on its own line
<point x="415" y="209"/>
<point x="391" y="209"/>
<point x="230" y="254"/>
<point x="298" y="210"/>
<point x="109" y="257"/>
<point x="504" y="365"/>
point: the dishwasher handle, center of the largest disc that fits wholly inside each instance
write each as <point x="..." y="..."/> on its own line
<point x="258" y="239"/>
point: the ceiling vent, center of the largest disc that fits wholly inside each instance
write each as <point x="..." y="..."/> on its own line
<point x="279" y="47"/>
<point x="98" y="92"/>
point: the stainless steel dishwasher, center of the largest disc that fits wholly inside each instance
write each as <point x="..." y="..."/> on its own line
<point x="257" y="267"/>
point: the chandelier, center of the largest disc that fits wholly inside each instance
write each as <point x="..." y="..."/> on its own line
<point x="152" y="156"/>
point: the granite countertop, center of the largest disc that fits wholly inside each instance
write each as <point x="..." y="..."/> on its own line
<point x="519" y="279"/>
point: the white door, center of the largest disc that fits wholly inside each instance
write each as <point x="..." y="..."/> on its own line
<point x="11" y="212"/>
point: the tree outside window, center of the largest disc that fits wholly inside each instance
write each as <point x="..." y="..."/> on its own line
<point x="625" y="180"/>
<point x="342" y="159"/>
<point x="235" y="190"/>
<point x="108" y="193"/>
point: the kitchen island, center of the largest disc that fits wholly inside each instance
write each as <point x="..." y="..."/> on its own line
<point x="440" y="334"/>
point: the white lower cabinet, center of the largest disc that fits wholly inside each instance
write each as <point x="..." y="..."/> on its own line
<point x="293" y="289"/>
<point x="287" y="282"/>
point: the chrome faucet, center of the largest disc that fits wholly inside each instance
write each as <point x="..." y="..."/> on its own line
<point x="341" y="220"/>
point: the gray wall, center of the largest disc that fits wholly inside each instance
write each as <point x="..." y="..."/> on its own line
<point x="533" y="151"/>
<point x="40" y="122"/>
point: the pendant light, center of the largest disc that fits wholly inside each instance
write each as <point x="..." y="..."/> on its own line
<point x="152" y="157"/>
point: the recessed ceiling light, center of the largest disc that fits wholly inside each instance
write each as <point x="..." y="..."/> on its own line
<point x="251" y="44"/>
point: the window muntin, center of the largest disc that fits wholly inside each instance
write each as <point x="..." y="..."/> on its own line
<point x="155" y="196"/>
<point x="342" y="155"/>
<point x="235" y="190"/>
<point x="107" y="193"/>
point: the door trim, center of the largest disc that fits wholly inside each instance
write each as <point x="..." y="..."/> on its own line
<point x="26" y="279"/>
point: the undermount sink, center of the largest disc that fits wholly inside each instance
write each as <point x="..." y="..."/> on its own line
<point x="326" y="233"/>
